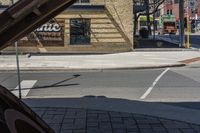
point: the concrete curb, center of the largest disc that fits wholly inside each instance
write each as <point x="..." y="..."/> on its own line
<point x="91" y="69"/>
<point x="165" y="50"/>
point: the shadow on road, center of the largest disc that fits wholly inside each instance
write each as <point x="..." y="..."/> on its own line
<point x="58" y="84"/>
<point x="13" y="109"/>
<point x="157" y="43"/>
<point x="167" y="41"/>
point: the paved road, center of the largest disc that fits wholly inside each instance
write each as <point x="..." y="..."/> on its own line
<point x="180" y="86"/>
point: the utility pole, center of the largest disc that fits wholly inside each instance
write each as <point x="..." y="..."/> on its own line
<point x="188" y="26"/>
<point x="181" y="23"/>
<point x="154" y="24"/>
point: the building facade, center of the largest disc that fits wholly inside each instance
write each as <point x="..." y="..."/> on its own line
<point x="172" y="6"/>
<point x="88" y="26"/>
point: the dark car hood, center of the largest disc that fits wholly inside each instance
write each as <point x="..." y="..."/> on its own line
<point x="25" y="16"/>
<point x="17" y="117"/>
<point x="15" y="22"/>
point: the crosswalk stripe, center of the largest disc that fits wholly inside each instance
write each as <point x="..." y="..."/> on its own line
<point x="26" y="85"/>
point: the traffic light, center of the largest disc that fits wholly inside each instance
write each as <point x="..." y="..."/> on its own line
<point x="193" y="26"/>
<point x="193" y="23"/>
<point x="194" y="11"/>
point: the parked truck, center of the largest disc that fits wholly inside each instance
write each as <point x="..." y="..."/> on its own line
<point x="167" y="24"/>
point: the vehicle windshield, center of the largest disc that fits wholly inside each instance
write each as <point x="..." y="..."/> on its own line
<point x="99" y="66"/>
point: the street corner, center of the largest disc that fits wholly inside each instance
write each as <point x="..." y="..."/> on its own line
<point x="191" y="60"/>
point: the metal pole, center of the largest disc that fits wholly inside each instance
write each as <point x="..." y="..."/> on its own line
<point x="181" y="26"/>
<point x="154" y="25"/>
<point x="18" y="70"/>
<point x="188" y="26"/>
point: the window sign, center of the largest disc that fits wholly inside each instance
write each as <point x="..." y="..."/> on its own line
<point x="49" y="27"/>
<point x="49" y="34"/>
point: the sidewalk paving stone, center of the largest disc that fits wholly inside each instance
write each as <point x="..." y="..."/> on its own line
<point x="188" y="131"/>
<point x="67" y="120"/>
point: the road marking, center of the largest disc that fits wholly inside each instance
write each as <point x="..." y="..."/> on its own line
<point x="26" y="86"/>
<point x="154" y="83"/>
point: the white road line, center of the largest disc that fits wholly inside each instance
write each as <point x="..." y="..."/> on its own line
<point x="26" y="85"/>
<point x="154" y="83"/>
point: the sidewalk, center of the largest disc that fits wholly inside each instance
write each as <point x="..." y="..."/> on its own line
<point x="104" y="115"/>
<point x="68" y="120"/>
<point x="129" y="60"/>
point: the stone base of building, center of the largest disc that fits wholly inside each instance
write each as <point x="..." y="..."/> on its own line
<point x="112" y="48"/>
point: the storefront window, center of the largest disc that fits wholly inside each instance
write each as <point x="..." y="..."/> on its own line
<point x="80" y="31"/>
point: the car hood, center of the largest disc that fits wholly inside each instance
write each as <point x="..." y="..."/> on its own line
<point x="25" y="16"/>
<point x="17" y="117"/>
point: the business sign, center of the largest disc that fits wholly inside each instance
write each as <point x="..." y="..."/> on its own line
<point x="49" y="34"/>
<point x="49" y="27"/>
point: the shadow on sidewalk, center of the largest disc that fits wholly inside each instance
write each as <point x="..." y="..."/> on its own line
<point x="176" y="110"/>
<point x="150" y="43"/>
<point x="17" y="116"/>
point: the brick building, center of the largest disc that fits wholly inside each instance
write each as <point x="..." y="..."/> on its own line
<point x="88" y="26"/>
<point x="173" y="7"/>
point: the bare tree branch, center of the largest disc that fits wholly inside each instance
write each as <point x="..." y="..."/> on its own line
<point x="152" y="7"/>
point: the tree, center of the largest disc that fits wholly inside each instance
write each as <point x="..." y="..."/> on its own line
<point x="150" y="7"/>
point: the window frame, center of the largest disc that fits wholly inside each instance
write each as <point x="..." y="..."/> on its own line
<point x="89" y="31"/>
<point x="80" y="2"/>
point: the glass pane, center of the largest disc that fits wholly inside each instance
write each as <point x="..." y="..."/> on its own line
<point x="80" y="31"/>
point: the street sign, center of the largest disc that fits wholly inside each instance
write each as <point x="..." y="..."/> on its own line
<point x="139" y="8"/>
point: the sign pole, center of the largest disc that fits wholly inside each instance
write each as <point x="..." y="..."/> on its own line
<point x="154" y="25"/>
<point x="18" y="70"/>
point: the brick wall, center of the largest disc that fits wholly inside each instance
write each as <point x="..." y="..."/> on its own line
<point x="198" y="8"/>
<point x="5" y="2"/>
<point x="111" y="29"/>
<point x="122" y="12"/>
<point x="175" y="8"/>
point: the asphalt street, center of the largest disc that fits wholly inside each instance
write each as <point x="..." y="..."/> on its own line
<point x="177" y="86"/>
